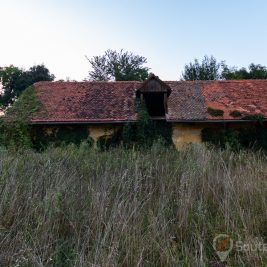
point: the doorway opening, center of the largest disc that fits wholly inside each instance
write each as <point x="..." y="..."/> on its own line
<point x="155" y="104"/>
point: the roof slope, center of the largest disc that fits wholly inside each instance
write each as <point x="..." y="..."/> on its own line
<point x="115" y="101"/>
<point x="249" y="97"/>
<point x="85" y="101"/>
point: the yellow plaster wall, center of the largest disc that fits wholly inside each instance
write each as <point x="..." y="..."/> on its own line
<point x="50" y="130"/>
<point x="96" y="131"/>
<point x="183" y="134"/>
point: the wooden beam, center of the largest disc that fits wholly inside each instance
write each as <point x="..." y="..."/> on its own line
<point x="165" y="103"/>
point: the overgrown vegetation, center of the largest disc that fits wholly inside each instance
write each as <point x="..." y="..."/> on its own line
<point x="15" y="131"/>
<point x="142" y="133"/>
<point x="254" y="117"/>
<point x="222" y="137"/>
<point x="235" y="114"/>
<point x="122" y="207"/>
<point x="252" y="137"/>
<point x="43" y="137"/>
<point x="215" y="112"/>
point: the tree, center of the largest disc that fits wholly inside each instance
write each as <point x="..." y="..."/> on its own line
<point x="207" y="69"/>
<point x="118" y="66"/>
<point x="15" y="80"/>
<point x="254" y="72"/>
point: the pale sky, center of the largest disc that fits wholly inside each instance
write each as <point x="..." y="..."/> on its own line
<point x="169" y="33"/>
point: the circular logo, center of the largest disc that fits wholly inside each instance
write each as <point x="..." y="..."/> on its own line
<point x="223" y="244"/>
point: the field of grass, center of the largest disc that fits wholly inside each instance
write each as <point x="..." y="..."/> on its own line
<point x="157" y="207"/>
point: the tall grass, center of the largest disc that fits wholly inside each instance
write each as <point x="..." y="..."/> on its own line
<point x="157" y="207"/>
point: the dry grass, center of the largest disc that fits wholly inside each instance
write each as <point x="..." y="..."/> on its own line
<point x="158" y="207"/>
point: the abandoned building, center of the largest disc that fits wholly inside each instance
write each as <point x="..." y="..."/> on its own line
<point x="188" y="106"/>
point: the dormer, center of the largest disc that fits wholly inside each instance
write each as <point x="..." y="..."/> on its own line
<point x="154" y="93"/>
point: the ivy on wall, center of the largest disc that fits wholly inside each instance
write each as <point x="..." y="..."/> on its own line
<point x="142" y="133"/>
<point x="17" y="133"/>
<point x="60" y="136"/>
<point x="253" y="136"/>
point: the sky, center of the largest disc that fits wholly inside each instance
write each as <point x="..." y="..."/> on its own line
<point x="169" y="33"/>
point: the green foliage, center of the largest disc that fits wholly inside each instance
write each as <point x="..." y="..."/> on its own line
<point x="64" y="255"/>
<point x="254" y="72"/>
<point x="235" y="114"/>
<point x="215" y="112"/>
<point x="17" y="133"/>
<point x="127" y="207"/>
<point x="223" y="138"/>
<point x="254" y="117"/>
<point x="14" y="80"/>
<point x="14" y="126"/>
<point x="118" y="66"/>
<point x="142" y="133"/>
<point x="252" y="137"/>
<point x="210" y="69"/>
<point x="61" y="136"/>
<point x="207" y="69"/>
<point x="107" y="142"/>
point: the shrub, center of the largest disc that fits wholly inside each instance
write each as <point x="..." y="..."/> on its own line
<point x="235" y="114"/>
<point x="215" y="112"/>
<point x="14" y="126"/>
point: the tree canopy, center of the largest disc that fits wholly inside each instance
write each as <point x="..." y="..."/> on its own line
<point x="210" y="69"/>
<point x="254" y="72"/>
<point x="15" y="80"/>
<point x="118" y="66"/>
<point x="207" y="69"/>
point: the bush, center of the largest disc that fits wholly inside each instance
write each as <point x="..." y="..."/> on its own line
<point x="253" y="137"/>
<point x="15" y="131"/>
<point x="235" y="114"/>
<point x="215" y="112"/>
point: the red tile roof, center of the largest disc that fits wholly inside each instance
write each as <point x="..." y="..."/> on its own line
<point x="249" y="97"/>
<point x="115" y="101"/>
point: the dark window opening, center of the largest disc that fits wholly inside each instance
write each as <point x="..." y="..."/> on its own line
<point x="155" y="104"/>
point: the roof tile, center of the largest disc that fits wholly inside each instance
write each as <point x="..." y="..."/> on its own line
<point x="114" y="101"/>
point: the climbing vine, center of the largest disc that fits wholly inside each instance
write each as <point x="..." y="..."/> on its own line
<point x="142" y="133"/>
<point x="253" y="136"/>
<point x="60" y="136"/>
<point x="17" y="133"/>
